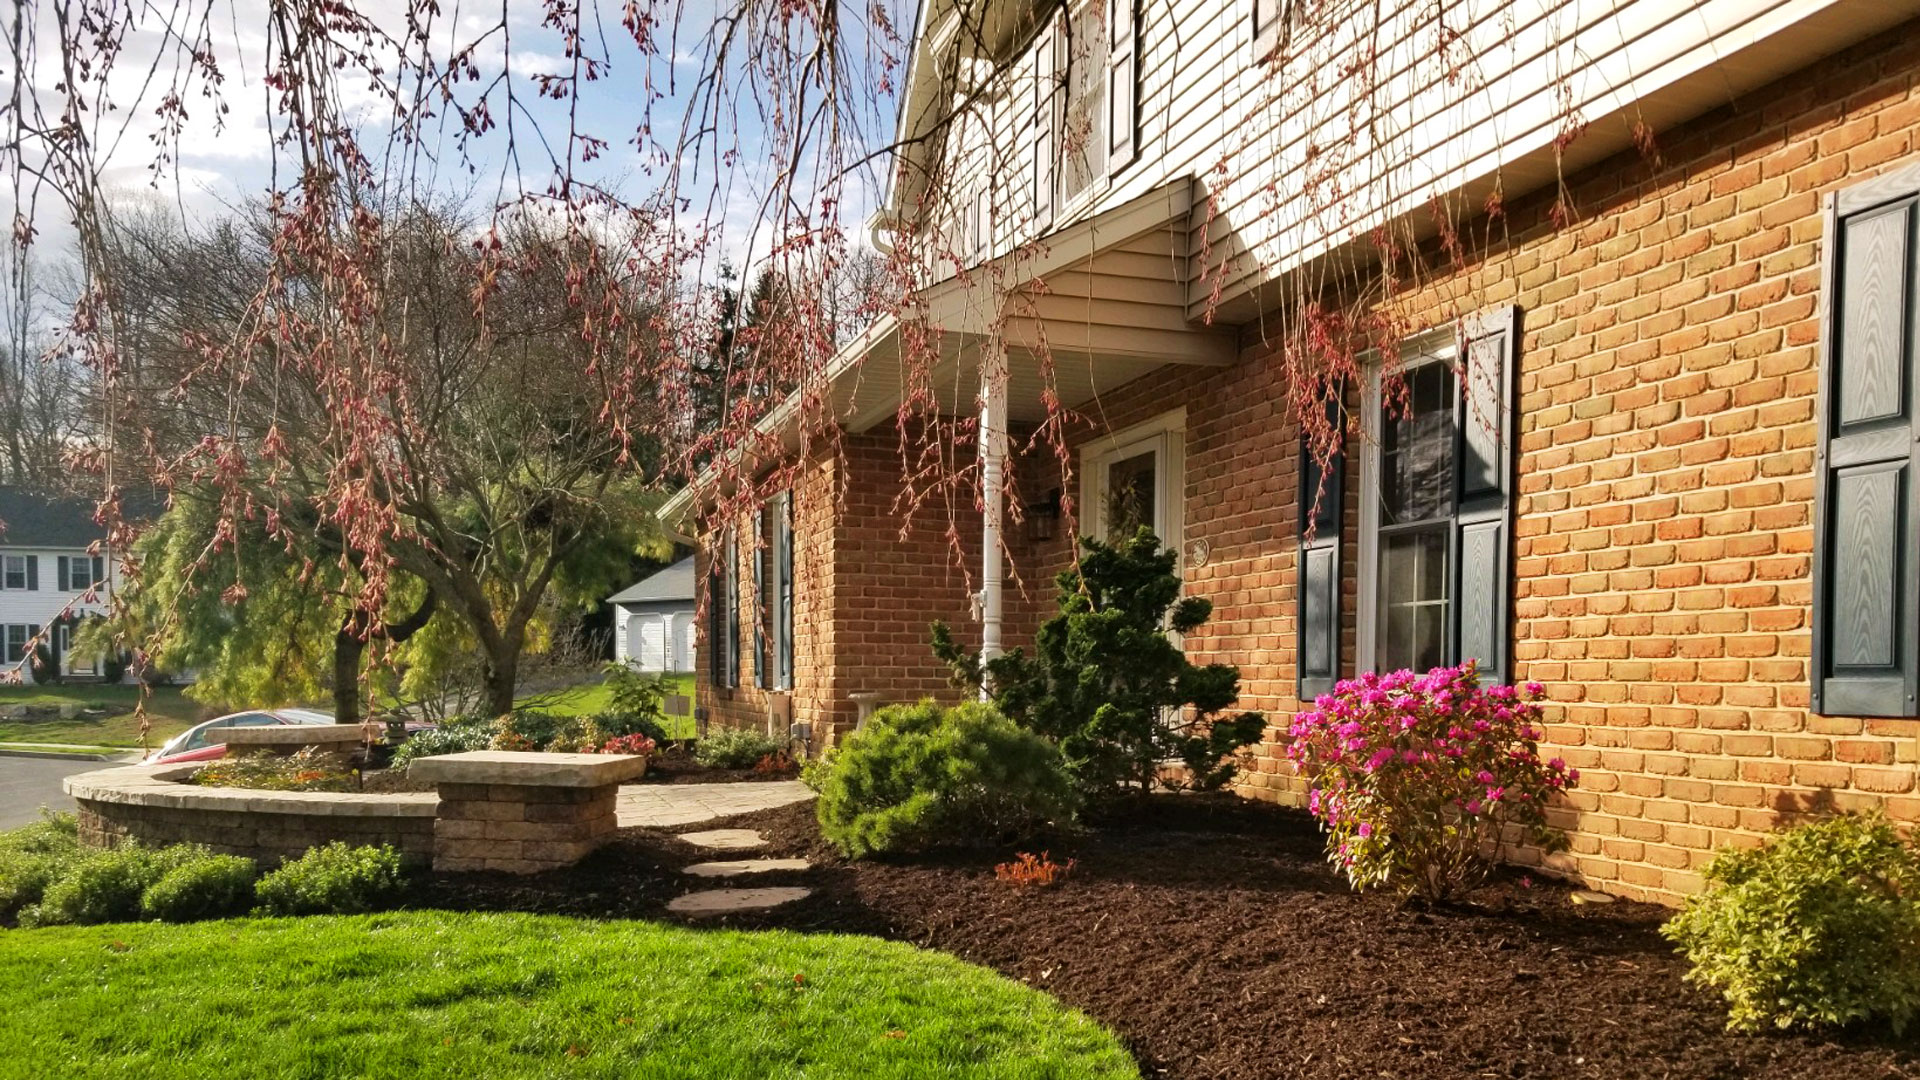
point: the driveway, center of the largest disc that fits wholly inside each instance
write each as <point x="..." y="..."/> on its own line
<point x="28" y="783"/>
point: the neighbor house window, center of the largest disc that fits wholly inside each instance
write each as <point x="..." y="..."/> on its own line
<point x="1436" y="541"/>
<point x="1135" y="478"/>
<point x="13" y="572"/>
<point x="79" y="573"/>
<point x="1866" y="548"/>
<point x="17" y="638"/>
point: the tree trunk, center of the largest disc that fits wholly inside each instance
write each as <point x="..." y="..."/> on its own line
<point x="350" y="645"/>
<point x="499" y="675"/>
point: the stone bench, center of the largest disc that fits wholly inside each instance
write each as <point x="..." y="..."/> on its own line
<point x="522" y="813"/>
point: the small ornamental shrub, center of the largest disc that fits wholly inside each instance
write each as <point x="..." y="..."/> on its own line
<point x="636" y="703"/>
<point x="107" y="886"/>
<point x="307" y="769"/>
<point x="1109" y="684"/>
<point x="919" y="776"/>
<point x="1029" y="869"/>
<point x="332" y="880"/>
<point x="1415" y="778"/>
<point x="527" y="729"/>
<point x="33" y="857"/>
<point x="579" y="735"/>
<point x="815" y="770"/>
<point x="453" y="737"/>
<point x="734" y="748"/>
<point x="628" y="744"/>
<point x="778" y="763"/>
<point x="1820" y="927"/>
<point x="203" y="887"/>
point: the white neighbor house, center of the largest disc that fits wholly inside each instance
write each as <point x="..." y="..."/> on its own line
<point x="653" y="621"/>
<point x="49" y="580"/>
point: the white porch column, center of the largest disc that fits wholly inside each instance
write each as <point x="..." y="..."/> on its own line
<point x="993" y="455"/>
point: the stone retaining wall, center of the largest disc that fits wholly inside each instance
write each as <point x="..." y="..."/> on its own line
<point x="151" y="804"/>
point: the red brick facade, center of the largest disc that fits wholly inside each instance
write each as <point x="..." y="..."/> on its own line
<point x="1663" y="534"/>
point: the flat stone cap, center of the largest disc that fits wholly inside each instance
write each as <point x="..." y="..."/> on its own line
<point x="293" y="735"/>
<point x="510" y="767"/>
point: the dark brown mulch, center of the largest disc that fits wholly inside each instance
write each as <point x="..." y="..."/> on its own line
<point x="1210" y="935"/>
<point x="675" y="765"/>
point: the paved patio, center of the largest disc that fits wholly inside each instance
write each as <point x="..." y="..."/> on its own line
<point x="665" y="806"/>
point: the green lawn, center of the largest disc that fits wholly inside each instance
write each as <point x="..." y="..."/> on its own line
<point x="436" y="994"/>
<point x="170" y="712"/>
<point x="594" y="697"/>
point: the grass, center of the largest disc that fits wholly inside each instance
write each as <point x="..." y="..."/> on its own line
<point x="170" y="711"/>
<point x="436" y="994"/>
<point x="587" y="698"/>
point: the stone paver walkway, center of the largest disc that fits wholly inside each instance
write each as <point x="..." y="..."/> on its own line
<point x="666" y="806"/>
<point x="743" y="867"/>
<point x="733" y="901"/>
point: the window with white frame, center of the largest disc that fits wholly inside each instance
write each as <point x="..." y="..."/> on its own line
<point x="1083" y="117"/>
<point x="13" y="572"/>
<point x="1435" y="508"/>
<point x="1136" y="477"/>
<point x="16" y="645"/>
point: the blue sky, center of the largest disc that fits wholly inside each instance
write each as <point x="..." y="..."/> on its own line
<point x="227" y="160"/>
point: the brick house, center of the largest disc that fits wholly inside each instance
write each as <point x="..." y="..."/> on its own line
<point x="1660" y="424"/>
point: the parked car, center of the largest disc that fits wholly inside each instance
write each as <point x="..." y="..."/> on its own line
<point x="202" y="742"/>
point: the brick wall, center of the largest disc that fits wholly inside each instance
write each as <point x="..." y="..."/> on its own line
<point x="1663" y="530"/>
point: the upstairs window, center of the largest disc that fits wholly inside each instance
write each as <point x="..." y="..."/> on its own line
<point x="1083" y="118"/>
<point x="13" y="572"/>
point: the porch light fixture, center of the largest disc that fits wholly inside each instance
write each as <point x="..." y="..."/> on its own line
<point x="1043" y="517"/>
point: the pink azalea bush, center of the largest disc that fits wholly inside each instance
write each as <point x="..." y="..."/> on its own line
<point x="1416" y="779"/>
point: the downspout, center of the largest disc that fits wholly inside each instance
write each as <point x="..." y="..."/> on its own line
<point x="993" y="454"/>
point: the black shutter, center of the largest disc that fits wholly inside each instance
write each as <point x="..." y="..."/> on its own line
<point x="733" y="609"/>
<point x="1123" y="83"/>
<point x="65" y="575"/>
<point x="1321" y="499"/>
<point x="1866" y="546"/>
<point x="716" y="620"/>
<point x="1485" y="431"/>
<point x="33" y="573"/>
<point x="762" y="603"/>
<point x="785" y="554"/>
<point x="99" y="572"/>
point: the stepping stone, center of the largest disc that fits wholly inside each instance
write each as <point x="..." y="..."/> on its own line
<point x="710" y="902"/>
<point x="725" y="839"/>
<point x="737" y="867"/>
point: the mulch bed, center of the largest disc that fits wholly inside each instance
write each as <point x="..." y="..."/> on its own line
<point x="1209" y="933"/>
<point x="674" y="764"/>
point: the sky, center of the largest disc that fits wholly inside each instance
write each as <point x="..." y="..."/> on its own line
<point x="226" y="160"/>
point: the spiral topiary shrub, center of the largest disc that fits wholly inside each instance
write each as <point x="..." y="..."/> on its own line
<point x="1819" y="927"/>
<point x="920" y="776"/>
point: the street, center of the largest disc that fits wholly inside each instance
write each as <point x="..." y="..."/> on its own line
<point x="28" y="783"/>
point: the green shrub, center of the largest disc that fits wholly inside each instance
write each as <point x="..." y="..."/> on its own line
<point x="614" y="724"/>
<point x="919" y="776"/>
<point x="1107" y="680"/>
<point x="332" y="880"/>
<point x="33" y="857"/>
<point x="453" y="737"/>
<point x="526" y="729"/>
<point x="107" y="886"/>
<point x="636" y="703"/>
<point x="204" y="887"/>
<point x="1819" y="927"/>
<point x="734" y="749"/>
